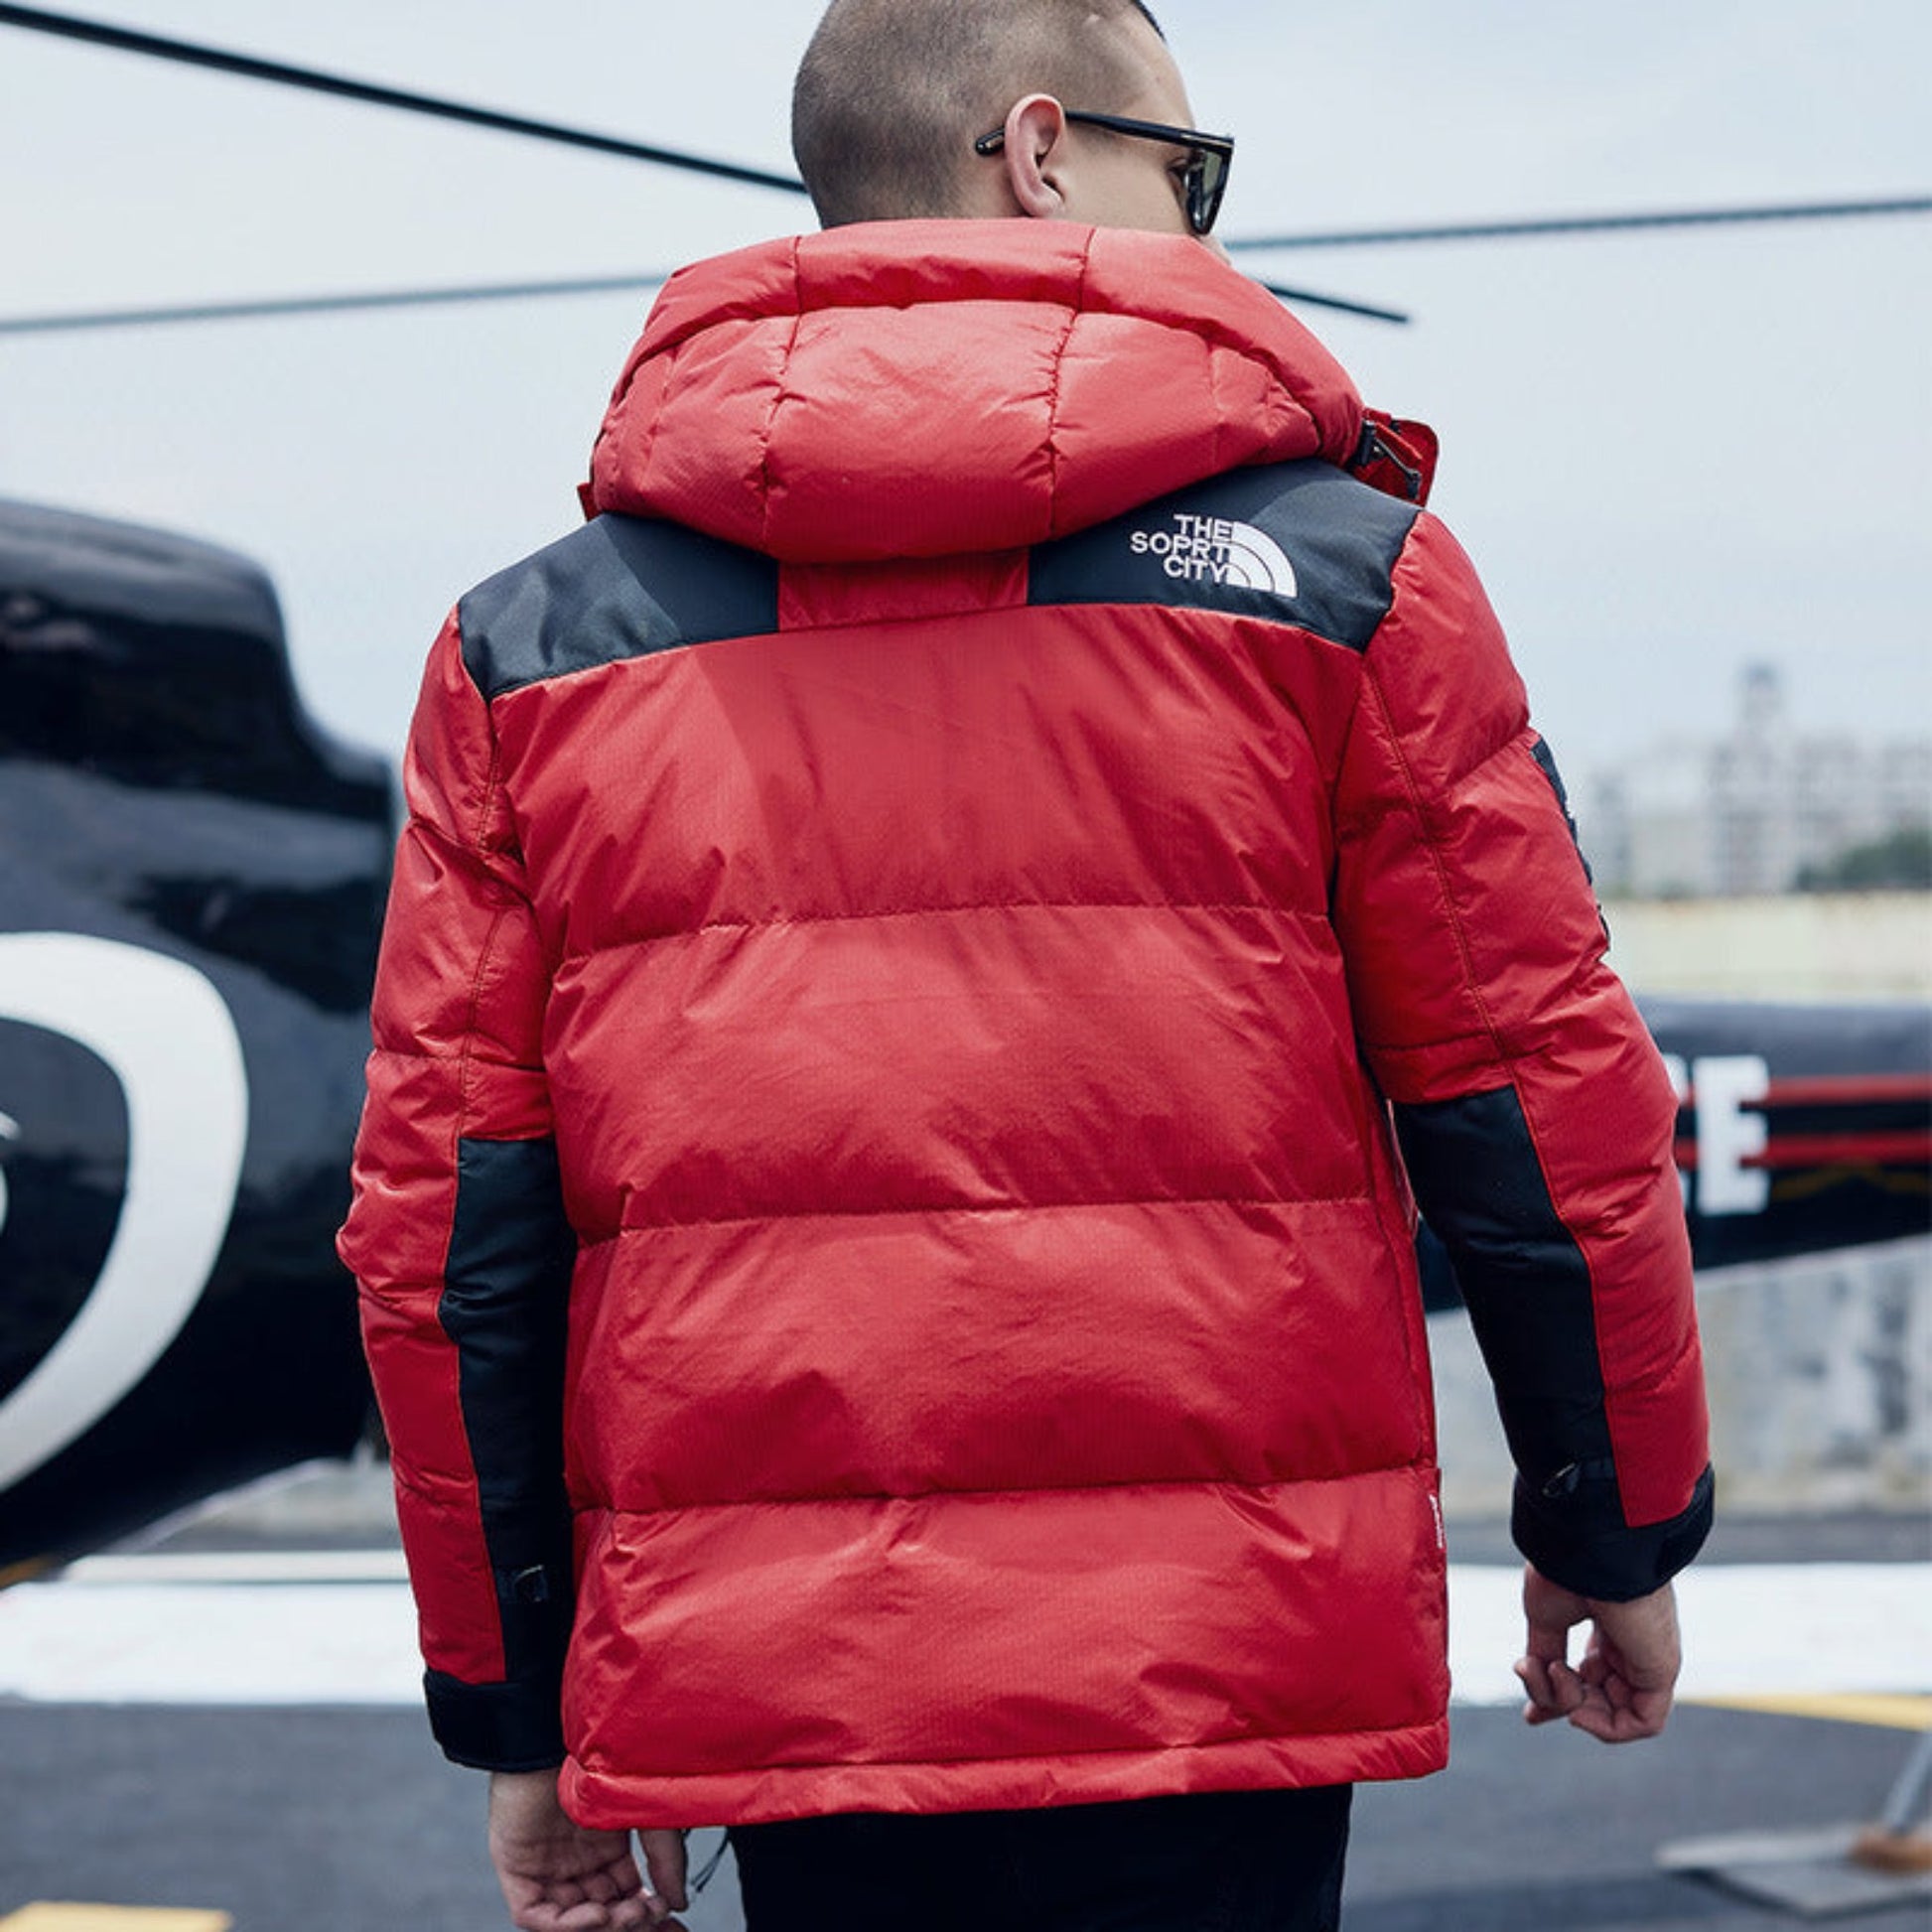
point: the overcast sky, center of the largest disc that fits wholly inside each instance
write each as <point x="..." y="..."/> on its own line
<point x="1670" y="454"/>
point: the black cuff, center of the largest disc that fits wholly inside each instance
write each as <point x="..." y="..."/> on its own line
<point x="1576" y="1538"/>
<point x="496" y="1726"/>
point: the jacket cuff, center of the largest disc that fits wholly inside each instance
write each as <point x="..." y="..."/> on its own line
<point x="496" y="1726"/>
<point x="1576" y="1538"/>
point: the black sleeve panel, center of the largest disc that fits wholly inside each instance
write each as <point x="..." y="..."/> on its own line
<point x="1481" y="1188"/>
<point x="492" y="1727"/>
<point x="504" y="1306"/>
<point x="1546" y="763"/>
<point x="1581" y="1541"/>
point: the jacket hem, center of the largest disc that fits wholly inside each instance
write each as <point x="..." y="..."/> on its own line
<point x="603" y="1801"/>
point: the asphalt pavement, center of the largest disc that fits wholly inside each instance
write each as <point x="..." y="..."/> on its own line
<point x="348" y="1821"/>
<point x="314" y="1818"/>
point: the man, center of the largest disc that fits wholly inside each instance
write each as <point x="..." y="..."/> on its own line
<point x="877" y="1182"/>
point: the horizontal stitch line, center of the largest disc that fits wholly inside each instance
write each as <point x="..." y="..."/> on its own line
<point x="1429" y="815"/>
<point x="386" y="1288"/>
<point x="437" y="1489"/>
<point x="1432" y="814"/>
<point x="1463" y="777"/>
<point x="1209" y="328"/>
<point x="1431" y="1045"/>
<point x="1415" y="1466"/>
<point x="1327" y="1202"/>
<point x="500" y="688"/>
<point x="457" y="1058"/>
<point x="1306" y="917"/>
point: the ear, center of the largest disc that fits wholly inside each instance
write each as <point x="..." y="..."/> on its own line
<point x="1035" y="155"/>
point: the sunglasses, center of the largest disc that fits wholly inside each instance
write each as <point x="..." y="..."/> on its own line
<point x="1209" y="157"/>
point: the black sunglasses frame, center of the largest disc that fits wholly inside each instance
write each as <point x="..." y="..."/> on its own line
<point x="1211" y="158"/>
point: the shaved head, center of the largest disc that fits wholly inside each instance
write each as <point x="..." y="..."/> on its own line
<point x="892" y="93"/>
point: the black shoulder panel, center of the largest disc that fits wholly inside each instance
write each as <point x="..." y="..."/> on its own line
<point x="621" y="586"/>
<point x="1297" y="543"/>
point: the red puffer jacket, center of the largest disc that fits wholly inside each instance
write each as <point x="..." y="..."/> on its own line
<point x="911" y="926"/>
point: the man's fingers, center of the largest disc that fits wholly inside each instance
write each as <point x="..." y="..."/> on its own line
<point x="1549" y="1613"/>
<point x="1609" y="1727"/>
<point x="1621" y="1714"/>
<point x="1545" y="1663"/>
<point x="1602" y="1702"/>
<point x="1554" y="1689"/>
<point x="546" y="1915"/>
<point x="533" y="1909"/>
<point x="636" y="1910"/>
<point x="586" y="1915"/>
<point x="664" y="1860"/>
<point x="1545" y="1640"/>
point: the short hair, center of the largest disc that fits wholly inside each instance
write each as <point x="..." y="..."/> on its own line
<point x="892" y="93"/>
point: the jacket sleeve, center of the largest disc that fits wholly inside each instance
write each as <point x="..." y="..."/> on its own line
<point x="458" y="1239"/>
<point x="1534" y="1113"/>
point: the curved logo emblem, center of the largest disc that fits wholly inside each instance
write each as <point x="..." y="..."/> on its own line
<point x="168" y="1036"/>
<point x="1216" y="550"/>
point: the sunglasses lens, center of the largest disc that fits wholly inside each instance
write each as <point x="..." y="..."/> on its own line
<point x="1208" y="182"/>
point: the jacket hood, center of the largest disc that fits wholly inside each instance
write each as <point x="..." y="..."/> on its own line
<point x="920" y="389"/>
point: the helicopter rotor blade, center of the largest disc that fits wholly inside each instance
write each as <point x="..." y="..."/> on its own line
<point x="268" y="308"/>
<point x="1346" y="307"/>
<point x="99" y="32"/>
<point x="72" y="321"/>
<point x="1557" y="224"/>
<point x="191" y="53"/>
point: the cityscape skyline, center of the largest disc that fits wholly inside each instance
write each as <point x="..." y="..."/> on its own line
<point x="1766" y="805"/>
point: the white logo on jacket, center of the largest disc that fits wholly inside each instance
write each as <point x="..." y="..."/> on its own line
<point x="1214" y="550"/>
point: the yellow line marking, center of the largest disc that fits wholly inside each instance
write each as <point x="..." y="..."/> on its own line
<point x="1893" y="1711"/>
<point x="42" y="1917"/>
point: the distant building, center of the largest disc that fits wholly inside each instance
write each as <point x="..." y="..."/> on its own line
<point x="1745" y="813"/>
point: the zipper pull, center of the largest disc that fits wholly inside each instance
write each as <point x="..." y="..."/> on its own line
<point x="1396" y="458"/>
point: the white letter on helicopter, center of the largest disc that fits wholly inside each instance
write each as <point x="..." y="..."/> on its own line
<point x="166" y="1033"/>
<point x="1727" y="1136"/>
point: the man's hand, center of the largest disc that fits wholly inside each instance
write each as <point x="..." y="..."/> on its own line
<point x="1622" y="1689"/>
<point x="559" y="1877"/>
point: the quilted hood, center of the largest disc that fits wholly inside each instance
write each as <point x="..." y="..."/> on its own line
<point x="920" y="389"/>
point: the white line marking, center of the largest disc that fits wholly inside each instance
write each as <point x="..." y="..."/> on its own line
<point x="43" y="1917"/>
<point x="1749" y="1628"/>
<point x="202" y="1643"/>
<point x="293" y="1628"/>
<point x="241" y="1567"/>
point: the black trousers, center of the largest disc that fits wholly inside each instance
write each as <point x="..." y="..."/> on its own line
<point x="1211" y="1861"/>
